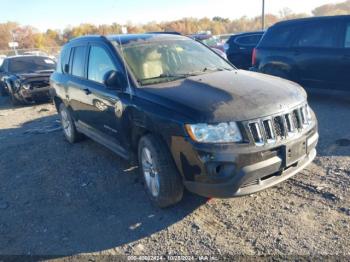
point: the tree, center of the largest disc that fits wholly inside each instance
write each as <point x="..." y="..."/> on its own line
<point x="333" y="9"/>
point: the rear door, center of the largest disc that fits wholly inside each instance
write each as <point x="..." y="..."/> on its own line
<point x="77" y="83"/>
<point x="316" y="51"/>
<point x="103" y="107"/>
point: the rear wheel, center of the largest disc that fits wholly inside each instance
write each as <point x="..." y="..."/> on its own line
<point x="162" y="181"/>
<point x="68" y="125"/>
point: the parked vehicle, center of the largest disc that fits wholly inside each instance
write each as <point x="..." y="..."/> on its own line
<point x="187" y="115"/>
<point x="209" y="40"/>
<point x="239" y="48"/>
<point x="26" y="78"/>
<point x="223" y="38"/>
<point x="314" y="52"/>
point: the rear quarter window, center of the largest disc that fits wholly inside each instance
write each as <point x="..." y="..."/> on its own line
<point x="78" y="64"/>
<point x="63" y="60"/>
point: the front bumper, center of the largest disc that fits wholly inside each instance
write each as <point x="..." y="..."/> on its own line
<point x="29" y="95"/>
<point x="246" y="173"/>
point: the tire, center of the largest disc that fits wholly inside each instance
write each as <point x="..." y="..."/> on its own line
<point x="162" y="181"/>
<point x="68" y="125"/>
<point x="14" y="100"/>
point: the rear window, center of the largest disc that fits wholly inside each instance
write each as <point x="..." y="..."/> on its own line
<point x="317" y="35"/>
<point x="278" y="36"/>
<point x="251" y="40"/>
<point x="30" y="64"/>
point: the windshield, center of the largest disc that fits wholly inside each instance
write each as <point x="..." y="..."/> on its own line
<point x="169" y="60"/>
<point x="31" y="64"/>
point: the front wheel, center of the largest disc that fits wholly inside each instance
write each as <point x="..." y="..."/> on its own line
<point x="14" y="100"/>
<point x="162" y="181"/>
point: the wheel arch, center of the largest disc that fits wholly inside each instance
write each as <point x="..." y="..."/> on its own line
<point x="280" y="66"/>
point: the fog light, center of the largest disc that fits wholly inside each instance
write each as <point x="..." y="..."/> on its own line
<point x="221" y="170"/>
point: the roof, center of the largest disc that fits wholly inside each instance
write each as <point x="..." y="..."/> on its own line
<point x="315" y="18"/>
<point x="29" y="56"/>
<point x="128" y="38"/>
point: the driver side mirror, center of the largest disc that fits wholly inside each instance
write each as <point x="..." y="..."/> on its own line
<point x="114" y="80"/>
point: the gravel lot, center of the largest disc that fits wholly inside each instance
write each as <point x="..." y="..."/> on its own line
<point x="60" y="199"/>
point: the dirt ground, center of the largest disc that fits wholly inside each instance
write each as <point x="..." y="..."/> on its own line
<point x="60" y="199"/>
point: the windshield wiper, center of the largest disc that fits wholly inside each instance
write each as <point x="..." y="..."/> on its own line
<point x="164" y="76"/>
<point x="216" y="69"/>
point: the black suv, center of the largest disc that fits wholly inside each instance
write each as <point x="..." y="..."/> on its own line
<point x="239" y="48"/>
<point x="187" y="115"/>
<point x="314" y="52"/>
<point x="26" y="78"/>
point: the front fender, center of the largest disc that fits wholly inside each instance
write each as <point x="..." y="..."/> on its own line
<point x="9" y="82"/>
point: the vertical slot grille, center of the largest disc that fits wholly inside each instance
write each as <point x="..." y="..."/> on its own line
<point x="256" y="133"/>
<point x="290" y="123"/>
<point x="270" y="136"/>
<point x="279" y="127"/>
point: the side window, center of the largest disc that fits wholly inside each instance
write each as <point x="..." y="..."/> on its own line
<point x="78" y="63"/>
<point x="317" y="35"/>
<point x="347" y="36"/>
<point x="251" y="40"/>
<point x="99" y="64"/>
<point x="278" y="36"/>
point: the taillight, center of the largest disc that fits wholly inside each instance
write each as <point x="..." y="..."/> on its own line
<point x="255" y="51"/>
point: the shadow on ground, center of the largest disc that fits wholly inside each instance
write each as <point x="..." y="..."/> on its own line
<point x="333" y="114"/>
<point x="61" y="199"/>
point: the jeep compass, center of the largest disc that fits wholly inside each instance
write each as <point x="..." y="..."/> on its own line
<point x="190" y="118"/>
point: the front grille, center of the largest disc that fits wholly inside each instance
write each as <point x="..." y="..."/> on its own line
<point x="39" y="84"/>
<point x="275" y="128"/>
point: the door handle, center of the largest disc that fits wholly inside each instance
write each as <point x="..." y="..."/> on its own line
<point x="87" y="91"/>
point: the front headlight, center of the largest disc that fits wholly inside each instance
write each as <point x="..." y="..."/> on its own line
<point x="26" y="86"/>
<point x="17" y="83"/>
<point x="219" y="133"/>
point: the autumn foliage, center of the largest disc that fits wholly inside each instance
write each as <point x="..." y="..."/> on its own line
<point x="29" y="37"/>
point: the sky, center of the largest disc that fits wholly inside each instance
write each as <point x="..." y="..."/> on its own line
<point x="58" y="14"/>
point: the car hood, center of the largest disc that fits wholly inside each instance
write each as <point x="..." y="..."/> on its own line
<point x="226" y="96"/>
<point x="36" y="74"/>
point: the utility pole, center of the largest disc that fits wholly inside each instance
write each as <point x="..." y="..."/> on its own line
<point x="263" y="15"/>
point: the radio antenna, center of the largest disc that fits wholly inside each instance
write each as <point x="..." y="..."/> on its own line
<point x="124" y="62"/>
